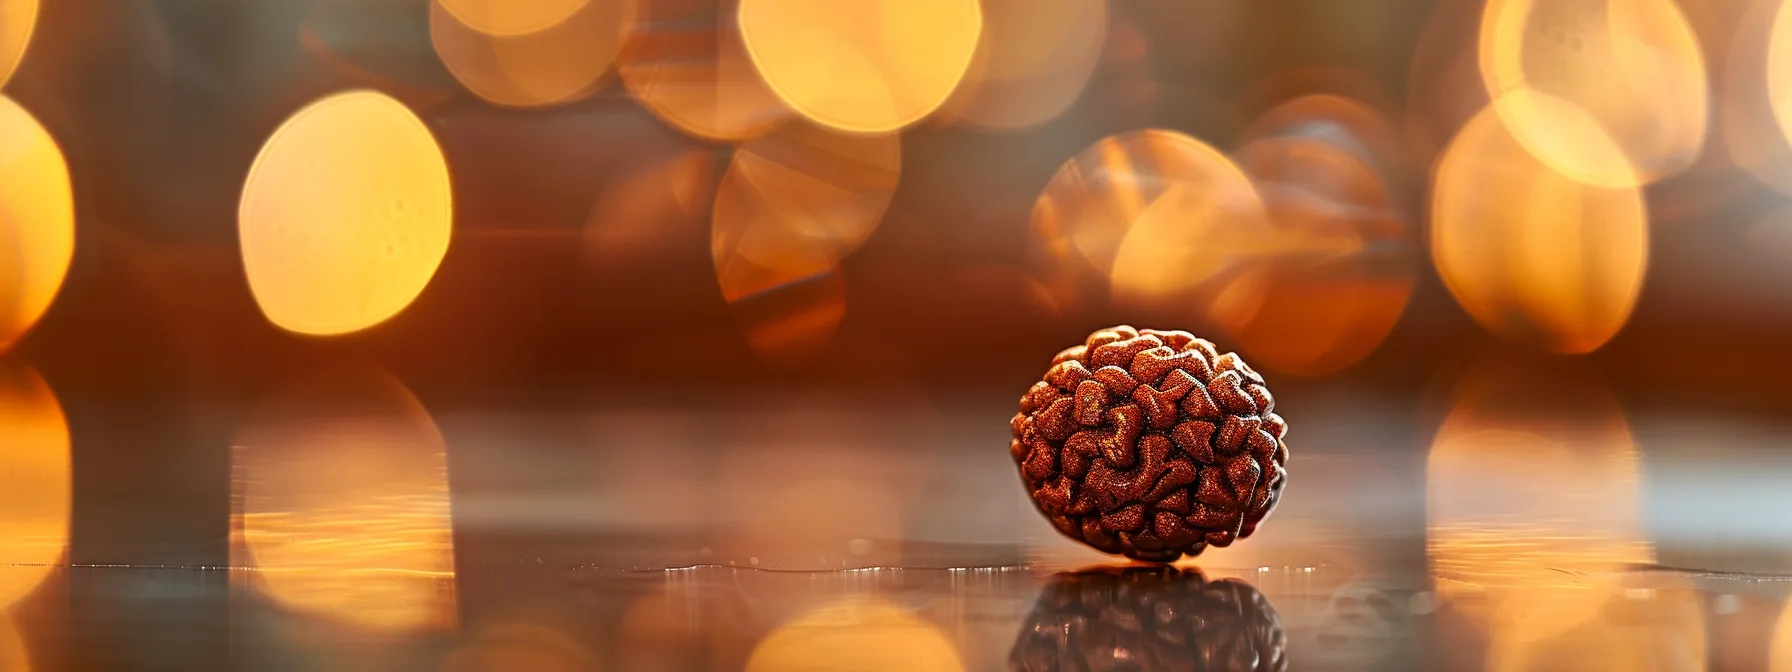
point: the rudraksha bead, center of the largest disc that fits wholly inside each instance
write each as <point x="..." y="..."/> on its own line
<point x="1149" y="619"/>
<point x="1151" y="444"/>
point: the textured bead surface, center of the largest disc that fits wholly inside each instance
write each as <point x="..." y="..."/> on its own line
<point x="1151" y="444"/>
<point x="1145" y="618"/>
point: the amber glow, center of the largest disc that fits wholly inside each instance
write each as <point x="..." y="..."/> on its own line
<point x="1347" y="264"/>
<point x="345" y="215"/>
<point x="1084" y="219"/>
<point x="1753" y="134"/>
<point x="1633" y="66"/>
<point x="869" y="66"/>
<point x="18" y="18"/>
<point x="663" y="205"/>
<point x="504" y="648"/>
<point x="792" y="204"/>
<point x="1655" y="623"/>
<point x="1533" y="255"/>
<point x="515" y="17"/>
<point x="856" y="634"/>
<point x="35" y="484"/>
<point x="1533" y="504"/>
<point x="14" y="655"/>
<point x="1032" y="63"/>
<point x="687" y="64"/>
<point x="558" y="64"/>
<point x="341" y="485"/>
<point x="1779" y="68"/>
<point x="37" y="221"/>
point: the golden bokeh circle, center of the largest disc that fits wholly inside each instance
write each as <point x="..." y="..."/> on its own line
<point x="867" y="66"/>
<point x="342" y="480"/>
<point x="515" y="17"/>
<point x="699" y="80"/>
<point x="799" y="199"/>
<point x="36" y="487"/>
<point x="1633" y="66"/>
<point x="346" y="215"/>
<point x="1343" y="263"/>
<point x="1034" y="60"/>
<point x="1142" y="216"/>
<point x="558" y="64"/>
<point x="1779" y="68"/>
<point x="37" y="221"/>
<point x="1534" y="255"/>
<point x="18" y="19"/>
<point x="857" y="633"/>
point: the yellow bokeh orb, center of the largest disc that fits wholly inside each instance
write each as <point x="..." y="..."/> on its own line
<point x="856" y="634"/>
<point x="866" y="66"/>
<point x="345" y="216"/>
<point x="1779" y="68"/>
<point x="342" y="483"/>
<point x="559" y="64"/>
<point x="37" y="221"/>
<point x="18" y="18"/>
<point x="1534" y="255"/>
<point x="1034" y="60"/>
<point x="514" y="17"/>
<point x="1633" y="66"/>
<point x="35" y="483"/>
<point x="687" y="65"/>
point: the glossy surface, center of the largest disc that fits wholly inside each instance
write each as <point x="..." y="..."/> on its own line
<point x="804" y="531"/>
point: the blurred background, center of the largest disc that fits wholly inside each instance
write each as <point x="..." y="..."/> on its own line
<point x="684" y="334"/>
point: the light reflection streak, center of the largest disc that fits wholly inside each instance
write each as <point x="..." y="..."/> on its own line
<point x="341" y="496"/>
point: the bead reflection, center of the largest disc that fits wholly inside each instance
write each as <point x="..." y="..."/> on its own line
<point x="37" y="220"/>
<point x="857" y="633"/>
<point x="1533" y="503"/>
<point x="35" y="483"/>
<point x="1149" y="619"/>
<point x="341" y="485"/>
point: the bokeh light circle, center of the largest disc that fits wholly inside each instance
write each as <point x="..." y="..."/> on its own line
<point x="867" y="66"/>
<point x="1531" y="254"/>
<point x="1034" y="60"/>
<point x="36" y="487"/>
<point x="37" y="221"/>
<point x="18" y="19"/>
<point x="345" y="216"/>
<point x="856" y="633"/>
<point x="342" y="480"/>
<point x="688" y="66"/>
<point x="1779" y="68"/>
<point x="515" y="17"/>
<point x="792" y="204"/>
<point x="1140" y="216"/>
<point x="1344" y="263"/>
<point x="558" y="64"/>
<point x="1633" y="66"/>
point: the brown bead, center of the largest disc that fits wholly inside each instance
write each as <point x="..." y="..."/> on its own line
<point x="1149" y="618"/>
<point x="1151" y="444"/>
